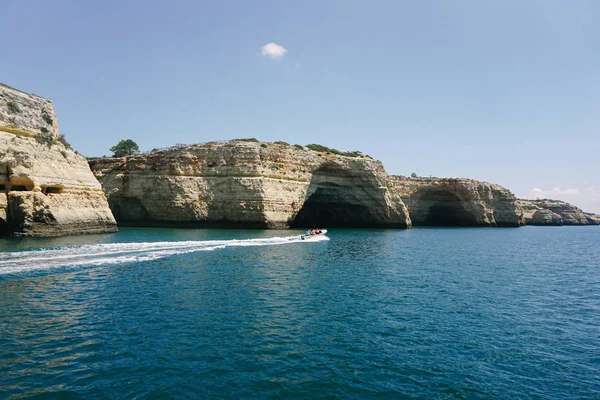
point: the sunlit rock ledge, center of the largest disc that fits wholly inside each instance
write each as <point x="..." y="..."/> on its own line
<point x="46" y="189"/>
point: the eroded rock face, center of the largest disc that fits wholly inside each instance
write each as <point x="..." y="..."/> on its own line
<point x="570" y="214"/>
<point x="248" y="184"/>
<point x="456" y="202"/>
<point x="546" y="217"/>
<point x="529" y="209"/>
<point x="593" y="219"/>
<point x="46" y="189"/>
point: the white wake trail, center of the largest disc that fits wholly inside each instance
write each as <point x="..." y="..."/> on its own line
<point x="118" y="253"/>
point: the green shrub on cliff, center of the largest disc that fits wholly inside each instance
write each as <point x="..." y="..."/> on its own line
<point x="47" y="118"/>
<point x="299" y="146"/>
<point x="13" y="107"/>
<point x="63" y="140"/>
<point x="317" y="147"/>
<point x="125" y="147"/>
<point x="282" y="143"/>
<point x="324" y="149"/>
<point x="245" y="140"/>
<point x="354" y="153"/>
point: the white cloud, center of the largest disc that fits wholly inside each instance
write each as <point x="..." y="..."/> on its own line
<point x="273" y="50"/>
<point x="538" y="193"/>
<point x="587" y="199"/>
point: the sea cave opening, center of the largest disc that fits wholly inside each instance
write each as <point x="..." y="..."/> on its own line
<point x="335" y="199"/>
<point x="328" y="208"/>
<point x="127" y="209"/>
<point x="439" y="207"/>
<point x="4" y="228"/>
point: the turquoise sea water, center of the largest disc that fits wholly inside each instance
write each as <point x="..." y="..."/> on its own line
<point x="421" y="313"/>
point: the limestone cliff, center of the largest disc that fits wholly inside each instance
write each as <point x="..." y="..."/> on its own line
<point x="593" y="219"/>
<point x="46" y="189"/>
<point x="456" y="202"/>
<point x="546" y="217"/>
<point x="568" y="213"/>
<point x="249" y="184"/>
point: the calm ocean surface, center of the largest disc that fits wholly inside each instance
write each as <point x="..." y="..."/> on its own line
<point x="421" y="313"/>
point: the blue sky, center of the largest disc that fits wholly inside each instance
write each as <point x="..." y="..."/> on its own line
<point x="502" y="91"/>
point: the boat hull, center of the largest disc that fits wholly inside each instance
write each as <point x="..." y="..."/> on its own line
<point x="314" y="235"/>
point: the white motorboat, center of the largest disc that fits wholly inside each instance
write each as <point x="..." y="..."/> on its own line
<point x="313" y="233"/>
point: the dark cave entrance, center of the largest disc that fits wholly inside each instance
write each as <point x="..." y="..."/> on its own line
<point x="4" y="228"/>
<point x="336" y="199"/>
<point x="53" y="189"/>
<point x="327" y="208"/>
<point x="439" y="207"/>
<point x="128" y="209"/>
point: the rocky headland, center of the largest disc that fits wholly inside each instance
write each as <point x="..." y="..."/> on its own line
<point x="456" y="202"/>
<point x="46" y="189"/>
<point x="555" y="212"/>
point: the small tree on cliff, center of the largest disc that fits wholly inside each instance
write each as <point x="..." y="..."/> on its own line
<point x="125" y="147"/>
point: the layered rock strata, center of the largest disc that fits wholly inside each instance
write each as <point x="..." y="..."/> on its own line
<point x="593" y="219"/>
<point x="546" y="217"/>
<point x="249" y="184"/>
<point x="566" y="212"/>
<point x="46" y="189"/>
<point x="456" y="202"/>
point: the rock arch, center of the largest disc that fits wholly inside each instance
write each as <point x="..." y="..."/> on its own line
<point x="437" y="206"/>
<point x="336" y="197"/>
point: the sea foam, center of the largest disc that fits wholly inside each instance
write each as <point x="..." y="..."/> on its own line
<point x="118" y="253"/>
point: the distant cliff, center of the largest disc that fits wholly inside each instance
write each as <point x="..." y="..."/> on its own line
<point x="555" y="212"/>
<point x="456" y="202"/>
<point x="46" y="189"/>
<point x="244" y="183"/>
<point x="241" y="183"/>
<point x="249" y="184"/>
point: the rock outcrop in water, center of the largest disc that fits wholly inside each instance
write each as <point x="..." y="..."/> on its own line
<point x="46" y="189"/>
<point x="249" y="184"/>
<point x="562" y="213"/>
<point x="456" y="202"/>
